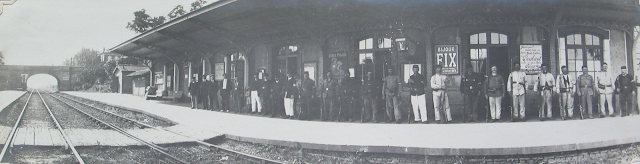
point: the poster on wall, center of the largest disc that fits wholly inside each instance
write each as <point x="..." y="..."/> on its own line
<point x="338" y="63"/>
<point x="530" y="58"/>
<point x="311" y="68"/>
<point x="219" y="71"/>
<point x="447" y="57"/>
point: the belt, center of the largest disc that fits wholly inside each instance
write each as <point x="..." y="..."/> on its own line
<point x="436" y="90"/>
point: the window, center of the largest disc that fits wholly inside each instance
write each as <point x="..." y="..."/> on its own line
<point x="480" y="45"/>
<point x="478" y="62"/>
<point x="288" y="50"/>
<point x="488" y="38"/>
<point x="366" y="44"/>
<point x="583" y="50"/>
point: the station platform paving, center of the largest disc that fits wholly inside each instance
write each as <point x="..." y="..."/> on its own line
<point x="8" y="97"/>
<point x="472" y="139"/>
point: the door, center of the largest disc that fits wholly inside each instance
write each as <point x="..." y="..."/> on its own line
<point x="499" y="56"/>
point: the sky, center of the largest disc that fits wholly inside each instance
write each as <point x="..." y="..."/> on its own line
<point x="46" y="32"/>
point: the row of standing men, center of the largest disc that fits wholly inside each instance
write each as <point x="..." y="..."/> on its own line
<point x="340" y="96"/>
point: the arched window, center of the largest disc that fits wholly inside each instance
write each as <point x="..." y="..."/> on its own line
<point x="583" y="49"/>
<point x="481" y="43"/>
<point x="286" y="60"/>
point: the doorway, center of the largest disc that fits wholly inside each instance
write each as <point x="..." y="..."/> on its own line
<point x="499" y="56"/>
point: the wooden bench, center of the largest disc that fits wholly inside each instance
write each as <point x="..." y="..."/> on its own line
<point x="174" y="96"/>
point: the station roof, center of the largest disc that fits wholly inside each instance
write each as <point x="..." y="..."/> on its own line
<point x="237" y="25"/>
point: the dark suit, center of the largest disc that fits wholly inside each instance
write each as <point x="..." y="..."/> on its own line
<point x="225" y="90"/>
<point x="213" y="95"/>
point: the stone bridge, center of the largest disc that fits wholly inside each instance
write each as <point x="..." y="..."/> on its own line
<point x="15" y="76"/>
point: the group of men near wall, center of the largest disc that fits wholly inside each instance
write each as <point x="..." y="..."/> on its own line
<point x="345" y="98"/>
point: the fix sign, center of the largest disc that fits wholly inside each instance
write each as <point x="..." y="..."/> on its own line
<point x="447" y="57"/>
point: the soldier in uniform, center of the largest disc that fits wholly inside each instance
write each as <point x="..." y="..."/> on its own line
<point x="605" y="90"/>
<point x="256" y="106"/>
<point x="418" y="100"/>
<point x="625" y="86"/>
<point x="225" y="92"/>
<point x="291" y="94"/>
<point x="238" y="95"/>
<point x="391" y="94"/>
<point x="516" y="85"/>
<point x="194" y="90"/>
<point x="494" y="89"/>
<point x="439" y="85"/>
<point x="204" y="93"/>
<point x="370" y="96"/>
<point x="212" y="93"/>
<point x="545" y="86"/>
<point x="346" y="96"/>
<point x="306" y="86"/>
<point x="586" y="90"/>
<point x="470" y="85"/>
<point x="277" y="97"/>
<point x="265" y="94"/>
<point x="565" y="87"/>
<point x="328" y="89"/>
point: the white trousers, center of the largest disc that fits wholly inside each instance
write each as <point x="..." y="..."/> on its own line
<point x="288" y="106"/>
<point x="606" y="98"/>
<point x="419" y="104"/>
<point x="518" y="106"/>
<point x="441" y="100"/>
<point x="495" y="105"/>
<point x="256" y="106"/>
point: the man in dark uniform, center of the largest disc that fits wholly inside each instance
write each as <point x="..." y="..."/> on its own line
<point x="306" y="86"/>
<point x="370" y="94"/>
<point x="212" y="93"/>
<point x="625" y="86"/>
<point x="290" y="96"/>
<point x="418" y="100"/>
<point x="265" y="94"/>
<point x="391" y="94"/>
<point x="328" y="88"/>
<point x="225" y="90"/>
<point x="470" y="86"/>
<point x="238" y="95"/>
<point x="204" y="92"/>
<point x="277" y="96"/>
<point x="346" y="96"/>
<point x="194" y="90"/>
<point x="586" y="90"/>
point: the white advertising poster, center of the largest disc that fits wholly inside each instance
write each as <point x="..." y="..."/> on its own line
<point x="530" y="58"/>
<point x="311" y="68"/>
<point x="219" y="71"/>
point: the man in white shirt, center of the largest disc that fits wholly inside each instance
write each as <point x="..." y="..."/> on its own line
<point x="516" y="85"/>
<point x="605" y="82"/>
<point x="439" y="85"/>
<point x="545" y="85"/>
<point x="565" y="86"/>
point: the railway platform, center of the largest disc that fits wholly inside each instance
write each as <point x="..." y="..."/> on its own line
<point x="474" y="139"/>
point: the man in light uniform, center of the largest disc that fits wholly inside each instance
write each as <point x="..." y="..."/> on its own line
<point x="516" y="85"/>
<point x="439" y="85"/>
<point x="494" y="89"/>
<point x="565" y="87"/>
<point x="391" y="94"/>
<point x="586" y="90"/>
<point x="605" y="90"/>
<point x="545" y="86"/>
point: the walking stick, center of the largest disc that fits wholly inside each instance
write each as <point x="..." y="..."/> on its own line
<point x="488" y="107"/>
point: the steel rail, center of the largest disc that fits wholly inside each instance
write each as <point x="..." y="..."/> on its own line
<point x="9" y="140"/>
<point x="64" y="134"/>
<point x="122" y="131"/>
<point x="250" y="157"/>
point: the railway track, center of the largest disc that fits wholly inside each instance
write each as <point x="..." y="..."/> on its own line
<point x="232" y="153"/>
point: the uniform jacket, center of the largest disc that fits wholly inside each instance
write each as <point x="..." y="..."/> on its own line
<point x="545" y="81"/>
<point x="213" y="87"/>
<point x="471" y="83"/>
<point x="439" y="82"/>
<point x="370" y="89"/>
<point x="391" y="85"/>
<point x="623" y="82"/>
<point x="346" y="87"/>
<point x="329" y="87"/>
<point x="229" y="85"/>
<point x="265" y="88"/>
<point x="517" y="83"/>
<point x="417" y="82"/>
<point x="565" y="83"/>
<point x="306" y="87"/>
<point x="291" y="88"/>
<point x="586" y="85"/>
<point x="277" y="91"/>
<point x="194" y="87"/>
<point x="604" y="81"/>
<point x="494" y="86"/>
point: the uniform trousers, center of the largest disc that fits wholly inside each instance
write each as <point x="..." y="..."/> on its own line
<point x="471" y="103"/>
<point x="606" y="98"/>
<point x="546" y="102"/>
<point x="205" y="101"/>
<point x="419" y="105"/>
<point x="626" y="100"/>
<point x="393" y="105"/>
<point x="441" y="102"/>
<point x="495" y="105"/>
<point x="369" y="107"/>
<point x="256" y="106"/>
<point x="518" y="110"/>
<point x="305" y="105"/>
<point x="329" y="109"/>
<point x="225" y="95"/>
<point x="288" y="106"/>
<point x="194" y="101"/>
<point x="587" y="104"/>
<point x="346" y="107"/>
<point x="566" y="104"/>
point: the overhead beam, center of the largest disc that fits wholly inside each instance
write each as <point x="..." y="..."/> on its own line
<point x="160" y="50"/>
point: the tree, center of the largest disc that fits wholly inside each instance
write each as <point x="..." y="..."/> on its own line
<point x="197" y="4"/>
<point x="1" y="58"/>
<point x="176" y="12"/>
<point x="143" y="22"/>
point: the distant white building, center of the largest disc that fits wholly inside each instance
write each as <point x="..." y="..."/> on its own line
<point x="109" y="56"/>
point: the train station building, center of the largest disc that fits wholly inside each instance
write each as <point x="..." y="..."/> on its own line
<point x="243" y="37"/>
